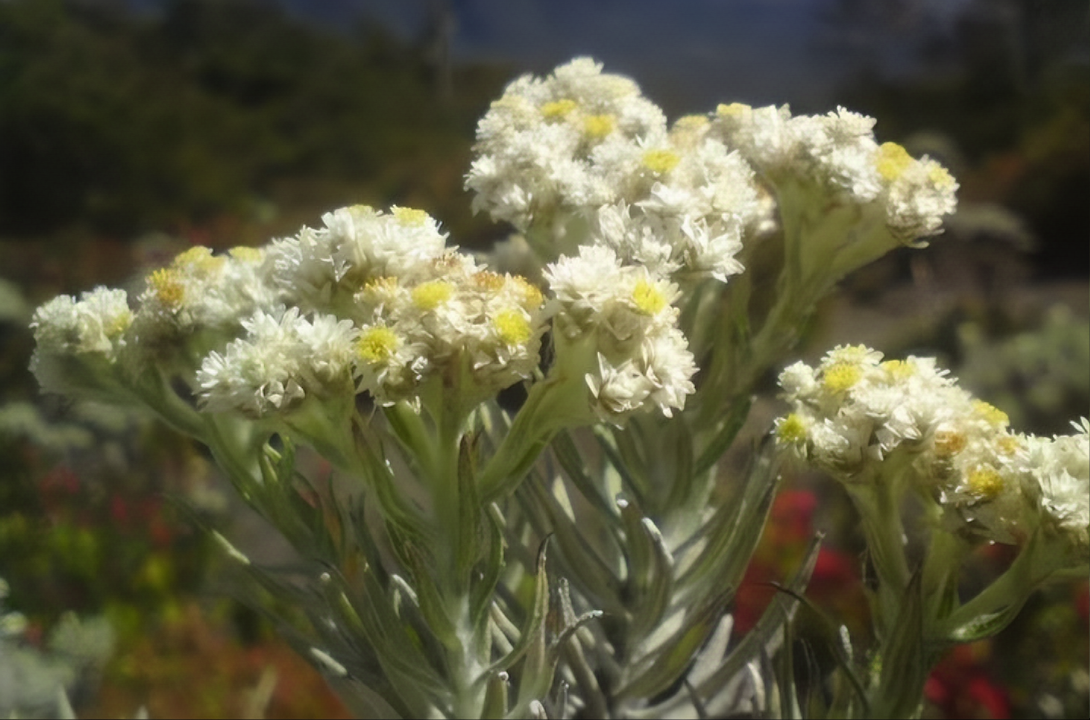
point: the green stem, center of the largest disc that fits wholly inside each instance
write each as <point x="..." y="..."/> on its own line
<point x="878" y="502"/>
<point x="447" y="500"/>
<point x="941" y="567"/>
<point x="996" y="605"/>
<point x="553" y="404"/>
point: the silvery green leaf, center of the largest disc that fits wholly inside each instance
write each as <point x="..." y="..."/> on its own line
<point x="495" y="696"/>
<point x="567" y="454"/>
<point x="579" y="557"/>
<point x="650" y="573"/>
<point x="675" y="655"/>
<point x="734" y="531"/>
<point x="766" y="634"/>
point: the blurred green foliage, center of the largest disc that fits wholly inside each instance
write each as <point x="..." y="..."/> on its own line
<point x="88" y="526"/>
<point x="1007" y="82"/>
<point x="122" y="123"/>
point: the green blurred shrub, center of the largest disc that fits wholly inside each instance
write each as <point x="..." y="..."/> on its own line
<point x="1038" y="375"/>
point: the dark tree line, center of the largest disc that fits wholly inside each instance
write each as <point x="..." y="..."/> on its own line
<point x="124" y="122"/>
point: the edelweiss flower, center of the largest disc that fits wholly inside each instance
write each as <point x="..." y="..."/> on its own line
<point x="551" y="148"/>
<point x="854" y="411"/>
<point x="856" y="198"/>
<point x="357" y="244"/>
<point x="690" y="213"/>
<point x="199" y="291"/>
<point x="78" y="342"/>
<point x="450" y="318"/>
<point x="93" y="324"/>
<point x="283" y="358"/>
<point x="1061" y="469"/>
<point x="616" y="327"/>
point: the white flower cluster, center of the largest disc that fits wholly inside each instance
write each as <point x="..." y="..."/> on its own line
<point x="549" y="148"/>
<point x="374" y="303"/>
<point x="389" y="310"/>
<point x="838" y="152"/>
<point x="283" y="358"/>
<point x="94" y="324"/>
<point x="472" y="328"/>
<point x="853" y="411"/>
<point x="77" y="340"/>
<point x="692" y="209"/>
<point x="199" y="290"/>
<point x="1061" y="467"/>
<point x="585" y="146"/>
<point x="320" y="268"/>
<point x="616" y="327"/>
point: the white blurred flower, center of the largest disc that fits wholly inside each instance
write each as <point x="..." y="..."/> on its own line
<point x="199" y="290"/>
<point x="79" y="341"/>
<point x="93" y="324"/>
<point x="1061" y="468"/>
<point x="917" y="194"/>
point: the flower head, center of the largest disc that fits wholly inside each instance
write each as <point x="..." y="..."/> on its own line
<point x="616" y="326"/>
<point x="321" y="269"/>
<point x="853" y="411"/>
<point x="95" y="323"/>
<point x="478" y="330"/>
<point x="79" y="341"/>
<point x="552" y="147"/>
<point x="283" y="358"/>
<point x="202" y="291"/>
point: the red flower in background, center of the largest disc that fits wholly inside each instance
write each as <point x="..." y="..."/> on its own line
<point x="57" y="487"/>
<point x="835" y="583"/>
<point x="960" y="686"/>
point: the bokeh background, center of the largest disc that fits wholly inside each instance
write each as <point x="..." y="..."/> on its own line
<point x="130" y="131"/>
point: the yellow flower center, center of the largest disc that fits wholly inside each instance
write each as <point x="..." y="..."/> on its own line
<point x="892" y="160"/>
<point x="198" y="260"/>
<point x="377" y="344"/>
<point x="990" y="414"/>
<point x="691" y="122"/>
<point x="1009" y="444"/>
<point x="597" y="127"/>
<point x="558" y="108"/>
<point x="247" y="254"/>
<point x="660" y="161"/>
<point x="940" y="177"/>
<point x="410" y="217"/>
<point x="118" y="324"/>
<point x="841" y="376"/>
<point x="648" y="299"/>
<point x="531" y="294"/>
<point x="898" y="369"/>
<point x="985" y="483"/>
<point x="168" y="287"/>
<point x="949" y="443"/>
<point x="791" y="429"/>
<point x="488" y="280"/>
<point x="432" y="294"/>
<point x="512" y="326"/>
<point x="732" y="110"/>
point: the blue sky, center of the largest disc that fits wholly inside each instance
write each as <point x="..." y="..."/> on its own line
<point x="688" y="55"/>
